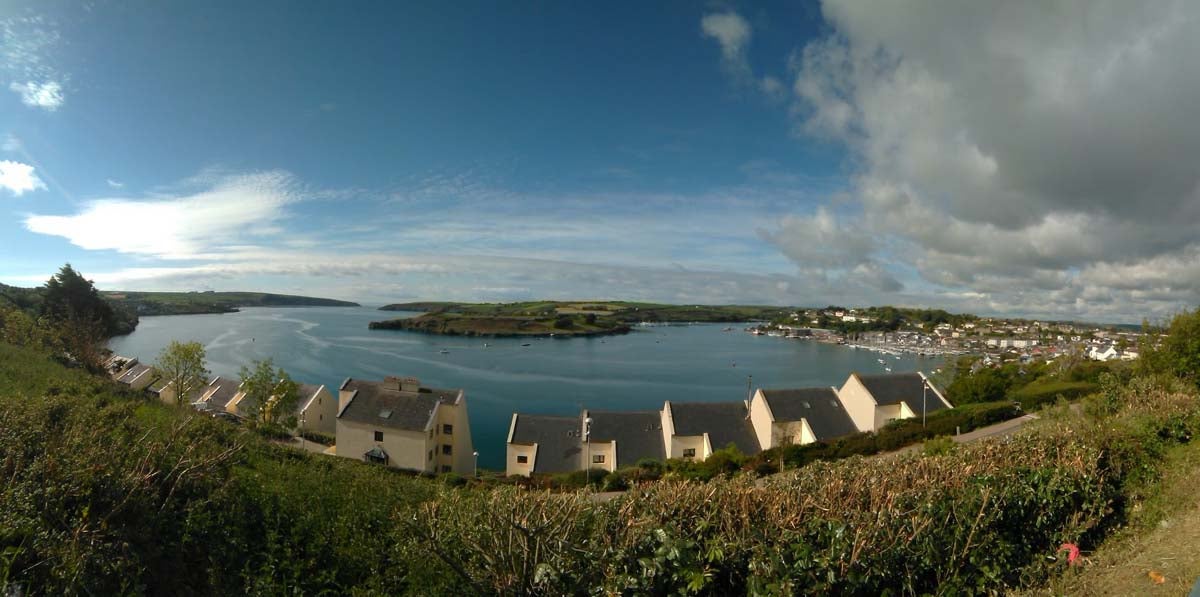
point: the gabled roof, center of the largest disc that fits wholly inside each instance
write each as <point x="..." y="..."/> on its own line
<point x="724" y="422"/>
<point x="894" y="388"/>
<point x="821" y="407"/>
<point x="225" y="389"/>
<point x="307" y="393"/>
<point x="560" y="446"/>
<point x="381" y="405"/>
<point x="638" y="434"/>
<point x="135" y="372"/>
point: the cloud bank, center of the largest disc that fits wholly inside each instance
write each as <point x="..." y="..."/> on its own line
<point x="1039" y="156"/>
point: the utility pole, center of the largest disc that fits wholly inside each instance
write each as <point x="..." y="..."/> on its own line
<point x="475" y="471"/>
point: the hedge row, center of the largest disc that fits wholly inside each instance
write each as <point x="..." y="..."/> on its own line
<point x="894" y="436"/>
<point x="1038" y="394"/>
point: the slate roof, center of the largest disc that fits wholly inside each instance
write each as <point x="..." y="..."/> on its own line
<point x="893" y="388"/>
<point x="226" y="389"/>
<point x="825" y="413"/>
<point x="134" y="372"/>
<point x="725" y="423"/>
<point x="375" y="404"/>
<point x="638" y="434"/>
<point x="306" y="392"/>
<point x="558" y="438"/>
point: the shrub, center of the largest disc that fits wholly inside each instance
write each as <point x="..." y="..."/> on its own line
<point x="1041" y="392"/>
<point x="615" y="481"/>
<point x="318" y="437"/>
<point x="938" y="446"/>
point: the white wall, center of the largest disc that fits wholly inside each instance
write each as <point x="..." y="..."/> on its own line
<point x="761" y="419"/>
<point x="405" y="449"/>
<point x="859" y="403"/>
<point x="512" y="467"/>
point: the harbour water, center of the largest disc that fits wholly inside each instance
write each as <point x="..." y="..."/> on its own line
<point x="637" y="371"/>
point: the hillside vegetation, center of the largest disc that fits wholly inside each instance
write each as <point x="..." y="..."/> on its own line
<point x="108" y="493"/>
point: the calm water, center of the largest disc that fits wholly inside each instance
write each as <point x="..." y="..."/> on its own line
<point x="325" y="345"/>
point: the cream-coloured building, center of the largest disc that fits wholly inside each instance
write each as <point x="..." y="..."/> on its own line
<point x="798" y="416"/>
<point x="694" y="430"/>
<point x="593" y="439"/>
<point x="697" y="429"/>
<point x="873" y="401"/>
<point x="316" y="410"/>
<point x="401" y="424"/>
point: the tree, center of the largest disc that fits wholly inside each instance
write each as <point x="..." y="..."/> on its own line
<point x="182" y="364"/>
<point x="271" y="395"/>
<point x="82" y="317"/>
<point x="1179" y="352"/>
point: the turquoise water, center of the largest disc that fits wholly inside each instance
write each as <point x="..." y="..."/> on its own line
<point x="325" y="345"/>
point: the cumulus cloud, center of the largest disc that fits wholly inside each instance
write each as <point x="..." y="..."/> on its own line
<point x="1029" y="155"/>
<point x="18" y="178"/>
<point x="183" y="225"/>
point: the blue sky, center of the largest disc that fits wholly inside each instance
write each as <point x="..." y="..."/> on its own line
<point x="788" y="153"/>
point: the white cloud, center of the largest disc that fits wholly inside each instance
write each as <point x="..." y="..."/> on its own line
<point x="115" y="184"/>
<point x="18" y="178"/>
<point x="11" y="143"/>
<point x="27" y="55"/>
<point x="204" y="223"/>
<point x="1027" y="154"/>
<point x="47" y="95"/>
<point x="731" y="31"/>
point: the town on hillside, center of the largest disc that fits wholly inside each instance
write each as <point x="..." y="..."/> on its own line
<point x="937" y="333"/>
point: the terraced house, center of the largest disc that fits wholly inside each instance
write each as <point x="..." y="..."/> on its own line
<point x="694" y="430"/>
<point x="397" y="422"/>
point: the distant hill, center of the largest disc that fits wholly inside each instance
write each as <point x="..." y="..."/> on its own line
<point x="190" y="303"/>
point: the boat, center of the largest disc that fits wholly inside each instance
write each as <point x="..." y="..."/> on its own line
<point x="727" y="330"/>
<point x="888" y="369"/>
<point x="526" y="344"/>
<point x="444" y="351"/>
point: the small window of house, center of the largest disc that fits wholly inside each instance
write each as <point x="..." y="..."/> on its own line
<point x="446" y="449"/>
<point x="689" y="453"/>
<point x="448" y="429"/>
<point x="598" y="459"/>
<point x="430" y="455"/>
<point x="378" y="436"/>
<point x="430" y="433"/>
<point x="522" y="460"/>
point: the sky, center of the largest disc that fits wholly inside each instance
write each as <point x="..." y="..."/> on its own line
<point x="1022" y="158"/>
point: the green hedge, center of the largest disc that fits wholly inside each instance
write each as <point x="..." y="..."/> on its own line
<point x="894" y="436"/>
<point x="1040" y="393"/>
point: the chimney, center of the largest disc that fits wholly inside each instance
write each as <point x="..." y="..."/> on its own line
<point x="391" y="382"/>
<point x="410" y="384"/>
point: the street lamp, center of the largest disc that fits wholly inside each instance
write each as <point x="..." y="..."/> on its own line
<point x="587" y="438"/>
<point x="475" y="472"/>
<point x="924" y="391"/>
<point x="303" y="414"/>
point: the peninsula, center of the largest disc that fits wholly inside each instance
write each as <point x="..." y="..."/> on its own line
<point x="559" y="318"/>
<point x="195" y="303"/>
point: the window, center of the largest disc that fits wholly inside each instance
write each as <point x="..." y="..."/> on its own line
<point x="378" y="436"/>
<point x="448" y="429"/>
<point x="446" y="449"/>
<point x="522" y="460"/>
<point x="598" y="459"/>
<point x="431" y="433"/>
<point x="445" y="468"/>
<point x="689" y="453"/>
<point x="320" y="417"/>
<point x="430" y="455"/>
